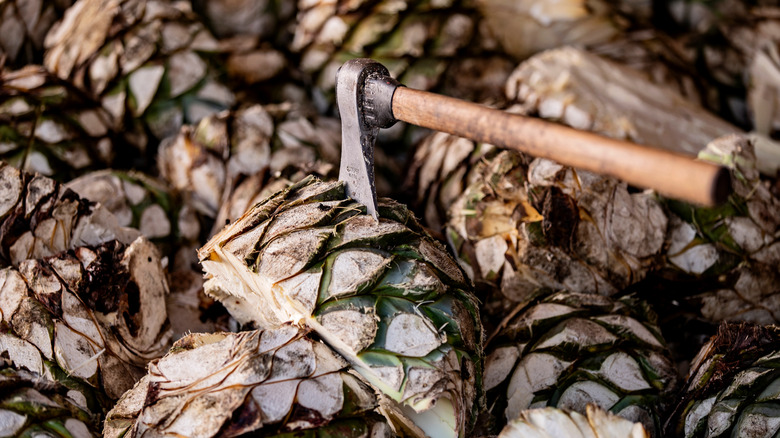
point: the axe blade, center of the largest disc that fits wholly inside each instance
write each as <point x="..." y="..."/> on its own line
<point x="358" y="135"/>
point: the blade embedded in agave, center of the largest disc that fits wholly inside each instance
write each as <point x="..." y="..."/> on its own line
<point x="311" y="256"/>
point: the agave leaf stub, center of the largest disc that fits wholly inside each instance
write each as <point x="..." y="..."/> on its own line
<point x="735" y="245"/>
<point x="41" y="218"/>
<point x="228" y="384"/>
<point x="50" y="127"/>
<point x="523" y="228"/>
<point x="732" y="388"/>
<point x="29" y="406"/>
<point x="384" y="295"/>
<point x="98" y="313"/>
<point x="569" y="350"/>
<point x="234" y="159"/>
<point x="146" y="61"/>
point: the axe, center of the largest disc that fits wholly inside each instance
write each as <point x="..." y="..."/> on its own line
<point x="369" y="99"/>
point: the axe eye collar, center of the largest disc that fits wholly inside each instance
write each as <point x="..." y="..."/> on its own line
<point x="377" y="99"/>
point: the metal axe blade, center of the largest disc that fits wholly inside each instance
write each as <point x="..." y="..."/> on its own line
<point x="359" y="128"/>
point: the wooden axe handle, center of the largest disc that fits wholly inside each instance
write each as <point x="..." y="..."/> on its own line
<point x="670" y="174"/>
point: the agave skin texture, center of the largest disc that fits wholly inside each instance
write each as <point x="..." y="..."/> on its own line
<point x="732" y="389"/>
<point x="383" y="294"/>
<point x="23" y="27"/>
<point x="50" y="127"/>
<point x="418" y="41"/>
<point x="146" y="61"/>
<point x="732" y="250"/>
<point x="96" y="313"/>
<point x="30" y="407"/>
<point x="567" y="350"/>
<point x="269" y="382"/>
<point x="39" y="218"/>
<point x="209" y="162"/>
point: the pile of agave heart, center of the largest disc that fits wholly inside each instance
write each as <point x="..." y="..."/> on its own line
<point x="179" y="259"/>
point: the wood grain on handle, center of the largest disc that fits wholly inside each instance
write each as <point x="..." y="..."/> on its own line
<point x="670" y="174"/>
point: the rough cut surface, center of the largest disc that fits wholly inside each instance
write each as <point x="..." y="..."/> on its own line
<point x="552" y="422"/>
<point x="267" y="382"/>
<point x="568" y="85"/>
<point x="384" y="295"/>
<point x="40" y="218"/>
